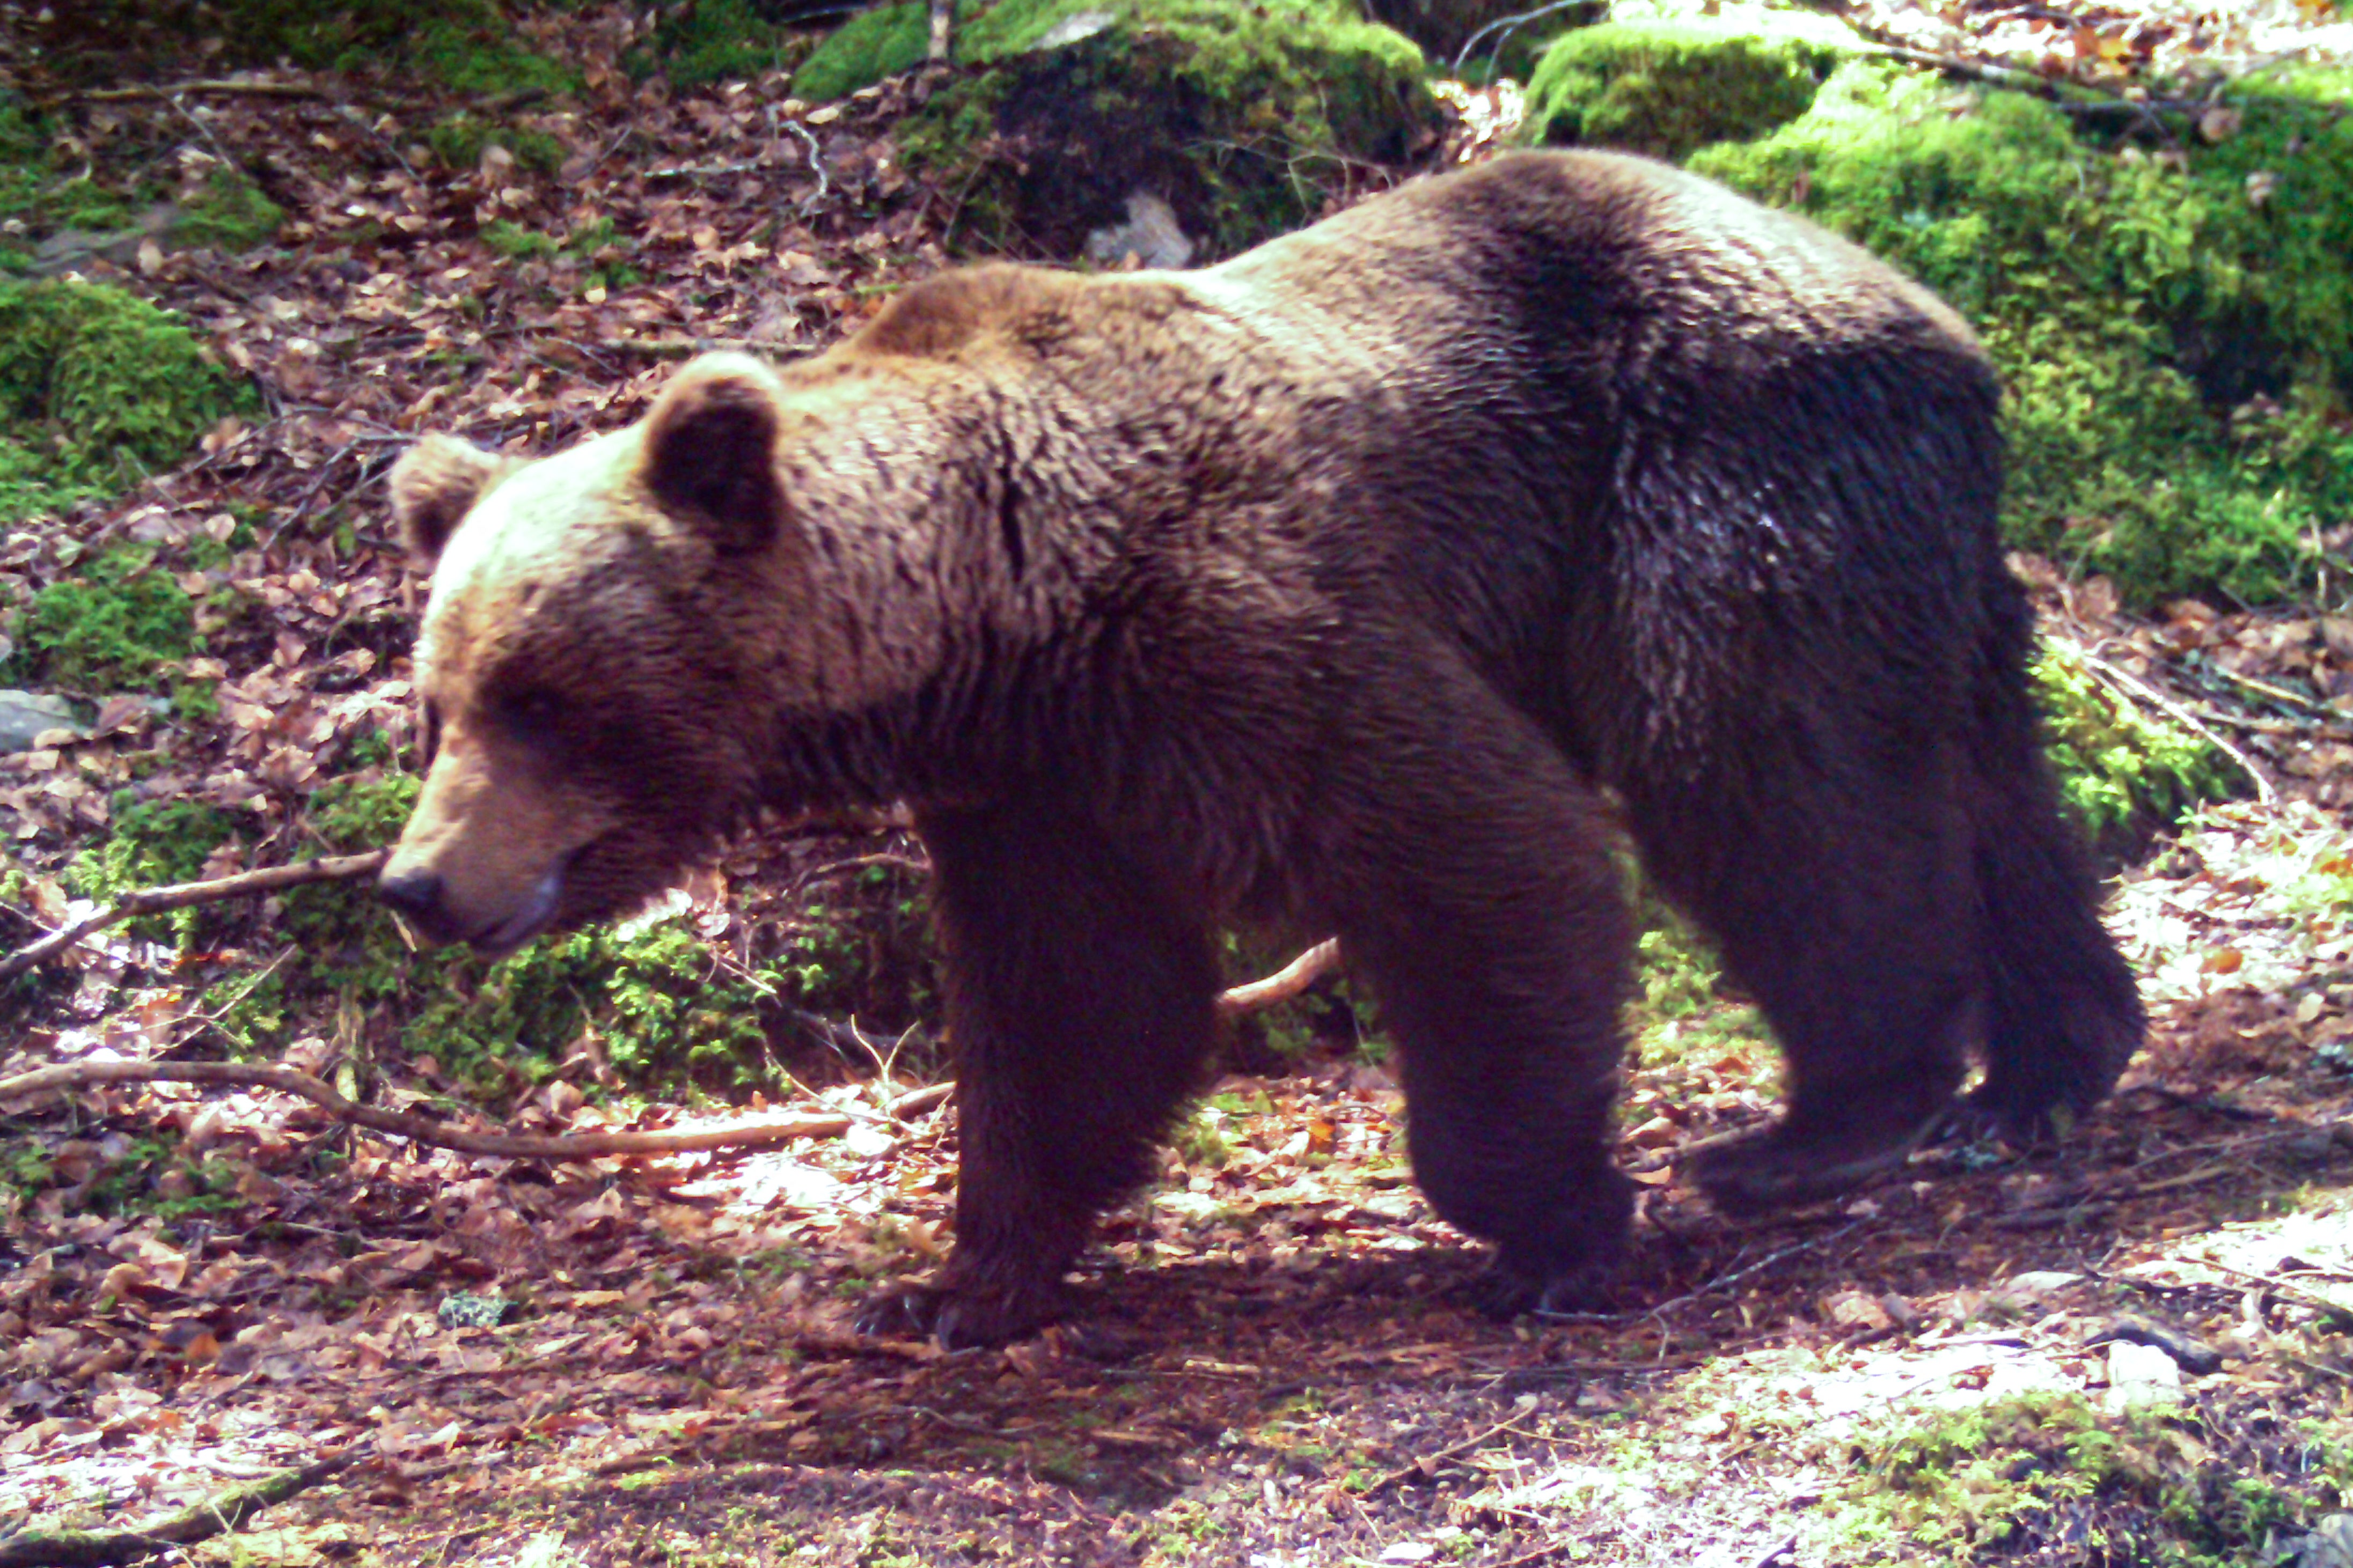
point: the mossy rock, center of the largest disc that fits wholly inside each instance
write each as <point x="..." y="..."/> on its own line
<point x="875" y="43"/>
<point x="97" y="387"/>
<point x="1669" y="86"/>
<point x="1065" y="108"/>
<point x="2176" y="332"/>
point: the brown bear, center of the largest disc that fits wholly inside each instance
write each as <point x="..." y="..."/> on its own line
<point x="1342" y="584"/>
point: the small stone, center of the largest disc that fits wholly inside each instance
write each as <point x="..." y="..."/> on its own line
<point x="1151" y="235"/>
<point x="2139" y="1376"/>
<point x="463" y="1309"/>
<point x="2192" y="1355"/>
<point x="25" y="716"/>
<point x="2330" y="1544"/>
<point x="2036" y="1283"/>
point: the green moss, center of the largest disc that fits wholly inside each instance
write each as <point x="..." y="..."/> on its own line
<point x="151" y="844"/>
<point x="663" y="1008"/>
<point x="872" y="45"/>
<point x="458" y="141"/>
<point x="2046" y="1471"/>
<point x="97" y="387"/>
<point x="468" y="46"/>
<point x="718" y="40"/>
<point x="1667" y="88"/>
<point x="117" y="622"/>
<point x="230" y="215"/>
<point x="2123" y="772"/>
<point x="2177" y="334"/>
<point x="1226" y="112"/>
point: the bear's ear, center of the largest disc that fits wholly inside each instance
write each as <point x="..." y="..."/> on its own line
<point x="710" y="451"/>
<point x="434" y="486"/>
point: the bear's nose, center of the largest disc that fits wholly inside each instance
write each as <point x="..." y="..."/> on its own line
<point x="416" y="892"/>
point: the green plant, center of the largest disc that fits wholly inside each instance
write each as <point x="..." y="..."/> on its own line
<point x="150" y="843"/>
<point x="458" y="141"/>
<point x="229" y="214"/>
<point x="2124" y="771"/>
<point x="2014" y="1474"/>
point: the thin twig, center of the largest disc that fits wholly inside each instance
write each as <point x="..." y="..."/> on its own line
<point x="816" y="167"/>
<point x="2132" y="685"/>
<point x="180" y="895"/>
<point x="200" y="89"/>
<point x="1427" y="1465"/>
<point x="1713" y="1288"/>
<point x="228" y="159"/>
<point x="668" y="347"/>
<point x="424" y="1129"/>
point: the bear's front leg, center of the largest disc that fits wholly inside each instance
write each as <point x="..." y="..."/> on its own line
<point x="1080" y="1001"/>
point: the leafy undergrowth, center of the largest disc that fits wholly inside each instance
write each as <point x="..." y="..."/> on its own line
<point x="193" y="1285"/>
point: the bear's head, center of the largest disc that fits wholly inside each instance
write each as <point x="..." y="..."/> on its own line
<point x="588" y="657"/>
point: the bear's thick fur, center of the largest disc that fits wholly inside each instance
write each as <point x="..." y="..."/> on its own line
<point x="1335" y="585"/>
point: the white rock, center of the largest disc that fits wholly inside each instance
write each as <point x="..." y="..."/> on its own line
<point x="24" y="716"/>
<point x="2141" y="1376"/>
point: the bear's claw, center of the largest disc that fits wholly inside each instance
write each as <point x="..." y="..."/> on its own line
<point x="961" y="1316"/>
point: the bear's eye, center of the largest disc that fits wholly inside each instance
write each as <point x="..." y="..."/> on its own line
<point x="532" y="712"/>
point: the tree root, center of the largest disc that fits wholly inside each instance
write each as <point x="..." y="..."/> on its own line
<point x="197" y="1521"/>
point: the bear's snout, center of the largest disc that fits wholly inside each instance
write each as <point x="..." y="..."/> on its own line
<point x="416" y="892"/>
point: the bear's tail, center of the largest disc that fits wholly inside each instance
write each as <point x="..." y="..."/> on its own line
<point x="2064" y="1015"/>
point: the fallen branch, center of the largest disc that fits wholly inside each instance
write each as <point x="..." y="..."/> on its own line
<point x="223" y="89"/>
<point x="424" y="1129"/>
<point x="1285" y="983"/>
<point x="197" y="1521"/>
<point x="180" y="895"/>
<point x="684" y="348"/>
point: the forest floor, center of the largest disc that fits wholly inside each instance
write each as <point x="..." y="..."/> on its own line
<point x="2135" y="1347"/>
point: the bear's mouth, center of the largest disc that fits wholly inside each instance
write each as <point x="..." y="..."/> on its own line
<point x="536" y="912"/>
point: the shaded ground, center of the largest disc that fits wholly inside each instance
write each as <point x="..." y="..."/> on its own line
<point x="1279" y="1367"/>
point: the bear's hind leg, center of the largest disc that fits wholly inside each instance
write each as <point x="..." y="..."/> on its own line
<point x="1841" y="897"/>
<point x="1080" y="1001"/>
<point x="1469" y="876"/>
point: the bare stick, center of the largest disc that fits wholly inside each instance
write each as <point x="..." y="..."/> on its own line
<point x="943" y="38"/>
<point x="202" y="88"/>
<point x="424" y="1129"/>
<point x="197" y="1521"/>
<point x="1285" y="983"/>
<point x="180" y="895"/>
<point x="683" y="348"/>
<point x="2133" y="686"/>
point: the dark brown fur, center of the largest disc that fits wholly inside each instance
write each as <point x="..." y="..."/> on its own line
<point x="1331" y="585"/>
